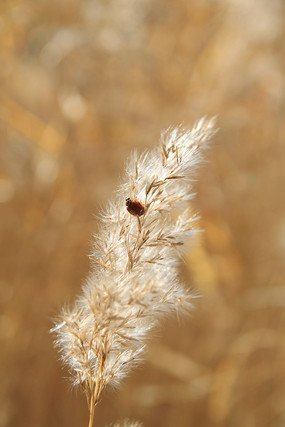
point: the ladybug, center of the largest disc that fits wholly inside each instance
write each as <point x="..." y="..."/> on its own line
<point x="134" y="207"/>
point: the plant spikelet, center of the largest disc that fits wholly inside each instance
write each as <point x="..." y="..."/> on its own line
<point x="127" y="423"/>
<point x="134" y="279"/>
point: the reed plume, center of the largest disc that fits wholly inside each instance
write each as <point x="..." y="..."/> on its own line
<point x="127" y="423"/>
<point x="134" y="279"/>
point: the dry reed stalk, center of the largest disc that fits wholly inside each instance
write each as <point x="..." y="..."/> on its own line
<point x="134" y="279"/>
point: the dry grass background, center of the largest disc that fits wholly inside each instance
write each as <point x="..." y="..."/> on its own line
<point x="82" y="84"/>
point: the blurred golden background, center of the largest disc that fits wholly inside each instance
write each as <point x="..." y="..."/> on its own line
<point x="83" y="82"/>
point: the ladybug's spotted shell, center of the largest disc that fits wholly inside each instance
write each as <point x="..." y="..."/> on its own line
<point x="134" y="207"/>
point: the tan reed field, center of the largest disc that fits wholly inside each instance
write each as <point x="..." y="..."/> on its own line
<point x="83" y="84"/>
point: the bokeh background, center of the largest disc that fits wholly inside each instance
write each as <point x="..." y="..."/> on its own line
<point x="82" y="83"/>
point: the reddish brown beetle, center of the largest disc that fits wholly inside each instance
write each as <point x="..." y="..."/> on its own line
<point x="134" y="207"/>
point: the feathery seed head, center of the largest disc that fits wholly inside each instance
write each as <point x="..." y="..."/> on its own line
<point x="134" y="279"/>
